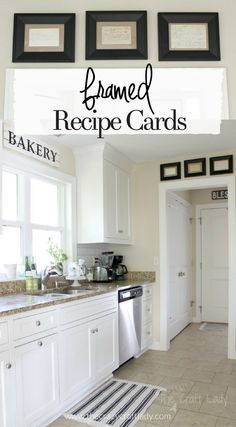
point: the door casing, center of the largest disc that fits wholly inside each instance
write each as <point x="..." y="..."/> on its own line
<point x="196" y="184"/>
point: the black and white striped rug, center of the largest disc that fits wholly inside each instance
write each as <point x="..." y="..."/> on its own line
<point x="117" y="403"/>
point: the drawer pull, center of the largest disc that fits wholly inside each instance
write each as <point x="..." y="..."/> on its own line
<point x="148" y="310"/>
<point x="148" y="292"/>
<point x="38" y="323"/>
<point x="120" y="231"/>
<point x="148" y="333"/>
<point x="96" y="330"/>
<point x="40" y="343"/>
<point x="93" y="331"/>
<point x="8" y="365"/>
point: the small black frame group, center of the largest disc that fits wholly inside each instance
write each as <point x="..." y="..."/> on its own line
<point x="197" y="167"/>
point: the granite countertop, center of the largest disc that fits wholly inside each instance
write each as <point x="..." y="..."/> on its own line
<point x="16" y="303"/>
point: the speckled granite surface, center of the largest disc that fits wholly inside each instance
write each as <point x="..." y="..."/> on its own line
<point x="16" y="300"/>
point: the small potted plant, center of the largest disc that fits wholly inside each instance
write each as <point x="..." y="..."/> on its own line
<point x="58" y="256"/>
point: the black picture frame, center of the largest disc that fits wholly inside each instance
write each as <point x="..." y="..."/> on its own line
<point x="198" y="167"/>
<point x="210" y="52"/>
<point x="96" y="21"/>
<point x="26" y="46"/>
<point x="221" y="165"/>
<point x="169" y="175"/>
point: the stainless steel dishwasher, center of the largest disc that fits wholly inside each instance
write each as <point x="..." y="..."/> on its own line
<point x="130" y="305"/>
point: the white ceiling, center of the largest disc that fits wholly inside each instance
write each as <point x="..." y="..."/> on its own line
<point x="141" y="148"/>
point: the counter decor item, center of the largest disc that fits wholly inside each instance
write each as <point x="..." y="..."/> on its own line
<point x="221" y="165"/>
<point x="77" y="271"/>
<point x="170" y="171"/>
<point x="187" y="36"/>
<point x="116" y="34"/>
<point x="194" y="167"/>
<point x="44" y="37"/>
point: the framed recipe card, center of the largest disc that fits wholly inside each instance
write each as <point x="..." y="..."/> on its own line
<point x="188" y="37"/>
<point x="116" y="35"/>
<point x="43" y="37"/>
<point x="170" y="171"/>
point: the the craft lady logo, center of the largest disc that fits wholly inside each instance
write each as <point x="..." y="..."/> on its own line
<point x="95" y="91"/>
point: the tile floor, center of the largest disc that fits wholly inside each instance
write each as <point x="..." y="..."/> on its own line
<point x="200" y="382"/>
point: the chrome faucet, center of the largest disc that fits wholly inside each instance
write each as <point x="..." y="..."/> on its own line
<point x="46" y="274"/>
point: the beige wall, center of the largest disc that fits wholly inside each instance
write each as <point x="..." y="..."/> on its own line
<point x="227" y="13"/>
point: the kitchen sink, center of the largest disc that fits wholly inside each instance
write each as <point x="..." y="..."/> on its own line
<point x="79" y="291"/>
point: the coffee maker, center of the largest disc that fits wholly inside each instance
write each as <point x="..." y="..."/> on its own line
<point x="119" y="269"/>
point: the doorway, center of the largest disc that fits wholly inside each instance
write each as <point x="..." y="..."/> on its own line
<point x="195" y="184"/>
<point x="212" y="256"/>
<point x="179" y="248"/>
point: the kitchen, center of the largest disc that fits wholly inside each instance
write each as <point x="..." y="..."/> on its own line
<point x="79" y="327"/>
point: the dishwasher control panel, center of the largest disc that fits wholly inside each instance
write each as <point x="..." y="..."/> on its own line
<point x="128" y="294"/>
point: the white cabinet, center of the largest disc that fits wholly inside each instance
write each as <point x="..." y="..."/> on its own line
<point x="116" y="202"/>
<point x="103" y="207"/>
<point x="147" y="313"/>
<point x="105" y="346"/>
<point x="7" y="390"/>
<point x="88" y="353"/>
<point x="37" y="385"/>
<point x="75" y="360"/>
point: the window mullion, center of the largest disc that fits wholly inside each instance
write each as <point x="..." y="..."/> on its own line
<point x="27" y="231"/>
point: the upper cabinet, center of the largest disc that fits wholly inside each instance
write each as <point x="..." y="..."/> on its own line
<point x="103" y="208"/>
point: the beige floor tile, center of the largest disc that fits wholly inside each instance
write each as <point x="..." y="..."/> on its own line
<point x="171" y="371"/>
<point x="206" y="389"/>
<point x="185" y="418"/>
<point x="231" y="394"/>
<point x="198" y="375"/>
<point x="225" y="379"/>
<point x="179" y="385"/>
<point x="219" y="407"/>
<point x="225" y="422"/>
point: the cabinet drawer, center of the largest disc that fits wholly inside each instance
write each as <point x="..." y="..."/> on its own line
<point x="4" y="335"/>
<point x="146" y="311"/>
<point x="146" y="335"/>
<point x="30" y="325"/>
<point x="147" y="291"/>
<point x="88" y="309"/>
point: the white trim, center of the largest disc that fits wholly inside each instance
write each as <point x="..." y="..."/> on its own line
<point x="155" y="346"/>
<point x="28" y="166"/>
<point x="195" y="184"/>
<point x="198" y="209"/>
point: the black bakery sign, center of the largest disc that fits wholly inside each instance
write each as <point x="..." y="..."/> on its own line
<point x="219" y="194"/>
<point x="31" y="147"/>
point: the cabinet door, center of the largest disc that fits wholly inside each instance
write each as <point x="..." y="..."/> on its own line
<point x="123" y="205"/>
<point x="116" y="203"/>
<point x="110" y="200"/>
<point x="75" y="360"/>
<point x="37" y="385"/>
<point x="7" y="390"/>
<point x="105" y="346"/>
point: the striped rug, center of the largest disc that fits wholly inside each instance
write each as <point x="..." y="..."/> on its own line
<point x="117" y="403"/>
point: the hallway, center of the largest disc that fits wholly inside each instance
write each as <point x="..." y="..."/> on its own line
<point x="199" y="379"/>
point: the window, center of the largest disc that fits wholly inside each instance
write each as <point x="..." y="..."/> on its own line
<point x="33" y="210"/>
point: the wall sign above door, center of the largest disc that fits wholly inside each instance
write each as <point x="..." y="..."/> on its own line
<point x="219" y="194"/>
<point x="38" y="150"/>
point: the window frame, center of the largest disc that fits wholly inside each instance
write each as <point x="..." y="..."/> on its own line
<point x="66" y="200"/>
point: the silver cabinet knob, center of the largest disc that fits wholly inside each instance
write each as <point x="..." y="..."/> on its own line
<point x="148" y="310"/>
<point x="40" y="343"/>
<point x="96" y="330"/>
<point x="8" y="365"/>
<point x="38" y="323"/>
<point x="120" y="231"/>
<point x="93" y="331"/>
<point x="148" y="333"/>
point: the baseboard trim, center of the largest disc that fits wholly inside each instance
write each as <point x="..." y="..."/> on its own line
<point x="155" y="345"/>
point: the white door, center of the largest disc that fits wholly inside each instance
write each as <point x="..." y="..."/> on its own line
<point x="75" y="360"/>
<point x="37" y="386"/>
<point x="214" y="265"/>
<point x="7" y="391"/>
<point x="105" y="345"/>
<point x="179" y="249"/>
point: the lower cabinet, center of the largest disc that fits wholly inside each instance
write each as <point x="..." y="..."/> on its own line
<point x="7" y="401"/>
<point x="88" y="352"/>
<point x="37" y="385"/>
